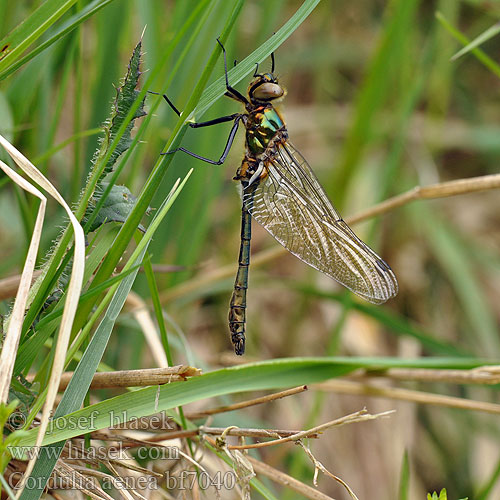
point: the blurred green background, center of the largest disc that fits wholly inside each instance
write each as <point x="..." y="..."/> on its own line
<point x="377" y="107"/>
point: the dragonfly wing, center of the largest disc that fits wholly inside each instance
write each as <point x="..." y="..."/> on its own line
<point x="291" y="205"/>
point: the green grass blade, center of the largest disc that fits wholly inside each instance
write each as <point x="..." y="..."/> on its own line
<point x="127" y="230"/>
<point x="479" y="40"/>
<point x="480" y="55"/>
<point x="74" y="394"/>
<point x="79" y="384"/>
<point x="404" y="478"/>
<point x="82" y="15"/>
<point x="21" y="37"/>
<point x="484" y="493"/>
<point x="247" y="65"/>
<point x="273" y="374"/>
<point x="376" y="88"/>
<point x="484" y="333"/>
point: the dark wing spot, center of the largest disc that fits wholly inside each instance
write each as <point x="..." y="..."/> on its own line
<point x="383" y="265"/>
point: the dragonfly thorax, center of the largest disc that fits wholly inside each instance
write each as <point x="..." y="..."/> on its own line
<point x="262" y="126"/>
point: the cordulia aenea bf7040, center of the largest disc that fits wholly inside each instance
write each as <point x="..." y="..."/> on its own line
<point x="281" y="192"/>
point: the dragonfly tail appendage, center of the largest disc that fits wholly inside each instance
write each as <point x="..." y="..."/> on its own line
<point x="237" y="307"/>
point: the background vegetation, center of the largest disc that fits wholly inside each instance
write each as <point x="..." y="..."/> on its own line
<point x="377" y="107"/>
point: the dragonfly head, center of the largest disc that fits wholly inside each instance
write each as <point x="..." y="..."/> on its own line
<point x="265" y="88"/>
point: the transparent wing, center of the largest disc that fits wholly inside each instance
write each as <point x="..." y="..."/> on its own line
<point x="291" y="204"/>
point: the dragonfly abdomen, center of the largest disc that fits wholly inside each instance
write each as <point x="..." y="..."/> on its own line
<point x="237" y="306"/>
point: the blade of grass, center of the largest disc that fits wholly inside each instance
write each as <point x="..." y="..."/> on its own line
<point x="28" y="351"/>
<point x="404" y="478"/>
<point x="79" y="384"/>
<point x="396" y="323"/>
<point x="127" y="230"/>
<point x="483" y="333"/>
<point x="74" y="138"/>
<point x="484" y="493"/>
<point x="480" y="55"/>
<point x="376" y="88"/>
<point x="21" y="37"/>
<point x="155" y="178"/>
<point x="273" y="374"/>
<point x="42" y="286"/>
<point x="88" y="11"/>
<point x="247" y="65"/>
<point x="479" y="40"/>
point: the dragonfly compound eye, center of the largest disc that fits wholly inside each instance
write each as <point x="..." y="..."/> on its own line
<point x="267" y="92"/>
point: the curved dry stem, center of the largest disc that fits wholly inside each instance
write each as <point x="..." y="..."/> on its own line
<point x="247" y="403"/>
<point x="358" y="416"/>
<point x="286" y="480"/>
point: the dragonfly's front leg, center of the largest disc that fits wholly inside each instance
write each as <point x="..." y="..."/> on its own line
<point x="238" y="304"/>
<point x="235" y="117"/>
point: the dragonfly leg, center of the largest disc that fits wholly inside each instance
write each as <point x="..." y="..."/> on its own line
<point x="224" y="154"/>
<point x="256" y="72"/>
<point x="238" y="304"/>
<point x="221" y="119"/>
<point x="231" y="92"/>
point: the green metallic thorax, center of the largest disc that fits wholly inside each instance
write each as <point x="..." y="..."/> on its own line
<point x="262" y="125"/>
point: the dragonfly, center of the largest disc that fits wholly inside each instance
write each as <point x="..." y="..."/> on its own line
<point x="281" y="192"/>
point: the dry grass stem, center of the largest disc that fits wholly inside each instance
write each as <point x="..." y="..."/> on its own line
<point x="346" y="387"/>
<point x="164" y="436"/>
<point x="245" y="432"/>
<point x="480" y="375"/>
<point x="202" y="280"/>
<point x="439" y="190"/>
<point x="359" y="416"/>
<point x="285" y="480"/>
<point x="246" y="404"/>
<point x="79" y="454"/>
<point x="139" y="308"/>
<point x="136" y="378"/>
<point x="10" y="343"/>
<point x="72" y="296"/>
<point x="129" y="442"/>
<point x="9" y="286"/>
<point x="318" y="466"/>
<point x="75" y="480"/>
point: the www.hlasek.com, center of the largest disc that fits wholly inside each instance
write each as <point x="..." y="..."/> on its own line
<point x="76" y="452"/>
<point x="184" y="480"/>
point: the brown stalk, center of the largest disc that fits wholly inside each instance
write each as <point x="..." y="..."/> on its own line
<point x="319" y="467"/>
<point x="246" y="404"/>
<point x="359" y="416"/>
<point x="346" y="387"/>
<point x="439" y="190"/>
<point x="286" y="480"/>
<point x="480" y="375"/>
<point x="190" y="433"/>
<point x="9" y="286"/>
<point x="136" y="378"/>
<point x="259" y="433"/>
